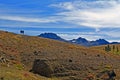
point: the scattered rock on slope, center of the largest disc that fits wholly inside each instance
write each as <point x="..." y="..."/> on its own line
<point x="42" y="67"/>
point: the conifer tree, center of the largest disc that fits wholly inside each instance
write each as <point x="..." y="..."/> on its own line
<point x="113" y="47"/>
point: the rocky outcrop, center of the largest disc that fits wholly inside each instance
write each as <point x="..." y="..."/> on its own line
<point x="3" y="60"/>
<point x="48" y="68"/>
<point x="42" y="67"/>
<point x="107" y="75"/>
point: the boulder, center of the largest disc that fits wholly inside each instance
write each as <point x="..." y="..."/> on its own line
<point x="107" y="75"/>
<point x="42" y="67"/>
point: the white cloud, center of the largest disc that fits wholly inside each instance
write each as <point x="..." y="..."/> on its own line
<point x="27" y="19"/>
<point x="112" y="34"/>
<point x="95" y="14"/>
<point x="88" y="35"/>
<point x="66" y="5"/>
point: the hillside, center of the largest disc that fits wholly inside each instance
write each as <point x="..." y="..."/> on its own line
<point x="59" y="60"/>
<point x="112" y="48"/>
<point x="13" y="73"/>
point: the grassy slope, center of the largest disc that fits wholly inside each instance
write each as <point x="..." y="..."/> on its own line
<point x="11" y="46"/>
<point x="21" y="50"/>
<point x="12" y="73"/>
<point x="115" y="50"/>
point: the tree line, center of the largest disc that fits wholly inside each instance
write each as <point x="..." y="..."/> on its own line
<point x="113" y="48"/>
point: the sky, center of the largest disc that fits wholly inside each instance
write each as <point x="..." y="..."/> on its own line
<point x="70" y="19"/>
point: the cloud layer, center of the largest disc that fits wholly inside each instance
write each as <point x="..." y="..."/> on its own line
<point x="100" y="15"/>
<point x="26" y="19"/>
<point x="95" y="14"/>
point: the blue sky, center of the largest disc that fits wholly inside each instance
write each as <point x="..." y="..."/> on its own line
<point x="91" y="19"/>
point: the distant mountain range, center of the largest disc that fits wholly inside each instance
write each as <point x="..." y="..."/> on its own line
<point x="51" y="36"/>
<point x="80" y="40"/>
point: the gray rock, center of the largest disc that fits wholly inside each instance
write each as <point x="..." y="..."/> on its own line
<point x="42" y="67"/>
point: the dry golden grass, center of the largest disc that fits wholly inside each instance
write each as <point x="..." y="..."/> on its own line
<point x="74" y="58"/>
<point x="115" y="48"/>
<point x="13" y="73"/>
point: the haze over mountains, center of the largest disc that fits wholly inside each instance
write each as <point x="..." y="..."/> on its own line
<point x="80" y="40"/>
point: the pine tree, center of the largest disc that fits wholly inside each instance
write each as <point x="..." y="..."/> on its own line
<point x="107" y="48"/>
<point x="113" y="47"/>
<point x="117" y="49"/>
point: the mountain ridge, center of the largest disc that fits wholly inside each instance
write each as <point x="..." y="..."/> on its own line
<point x="79" y="41"/>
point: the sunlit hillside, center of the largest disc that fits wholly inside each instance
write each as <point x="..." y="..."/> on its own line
<point x="111" y="48"/>
<point x="31" y="57"/>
